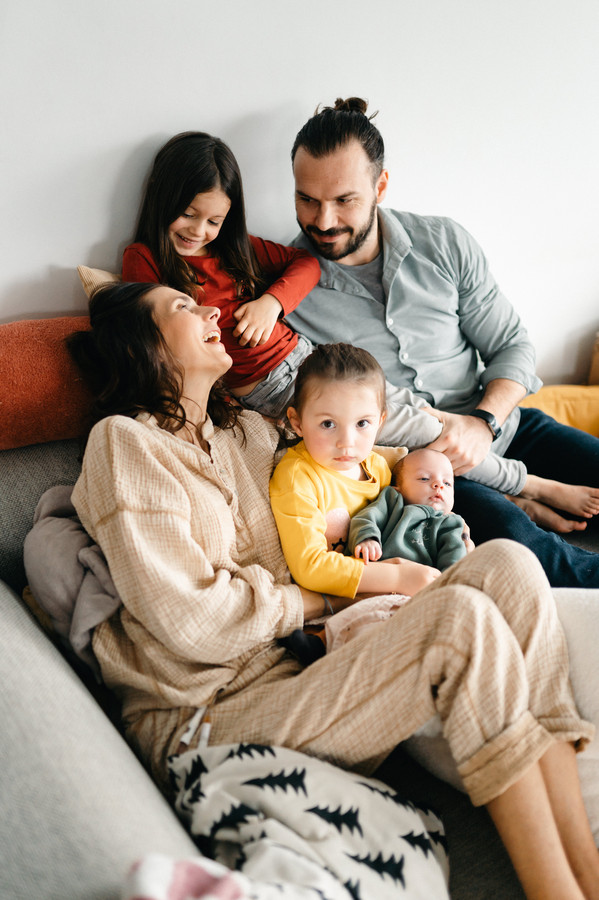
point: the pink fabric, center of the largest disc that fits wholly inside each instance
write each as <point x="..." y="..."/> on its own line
<point x="351" y="621"/>
<point x="158" y="877"/>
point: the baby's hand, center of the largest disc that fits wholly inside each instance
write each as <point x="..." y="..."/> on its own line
<point x="256" y="320"/>
<point x="368" y="550"/>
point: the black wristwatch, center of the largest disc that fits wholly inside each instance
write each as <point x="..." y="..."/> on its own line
<point x="490" y="419"/>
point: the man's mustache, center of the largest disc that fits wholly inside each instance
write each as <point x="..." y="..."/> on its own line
<point x="331" y="232"/>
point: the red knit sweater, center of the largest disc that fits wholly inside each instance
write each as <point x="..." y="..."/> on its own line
<point x="294" y="273"/>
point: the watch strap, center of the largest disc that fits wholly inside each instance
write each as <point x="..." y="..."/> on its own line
<point x="490" y="419"/>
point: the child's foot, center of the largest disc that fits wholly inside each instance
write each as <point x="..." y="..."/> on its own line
<point x="576" y="499"/>
<point x="546" y="517"/>
<point x="305" y="647"/>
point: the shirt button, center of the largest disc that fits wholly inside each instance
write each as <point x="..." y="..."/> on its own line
<point x="389" y="321"/>
<point x="404" y="356"/>
<point x="418" y="382"/>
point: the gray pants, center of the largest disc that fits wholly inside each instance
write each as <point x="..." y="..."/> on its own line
<point x="275" y="393"/>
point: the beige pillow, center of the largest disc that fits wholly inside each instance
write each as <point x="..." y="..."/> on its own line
<point x="93" y="278"/>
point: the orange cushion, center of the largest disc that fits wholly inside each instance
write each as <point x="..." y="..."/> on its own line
<point x="570" y="404"/>
<point x="42" y="394"/>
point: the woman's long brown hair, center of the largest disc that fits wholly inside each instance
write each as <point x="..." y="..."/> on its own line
<point x="127" y="364"/>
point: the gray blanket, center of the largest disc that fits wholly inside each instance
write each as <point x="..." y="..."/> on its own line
<point x="68" y="574"/>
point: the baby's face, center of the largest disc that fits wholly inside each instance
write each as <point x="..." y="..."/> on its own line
<point x="427" y="478"/>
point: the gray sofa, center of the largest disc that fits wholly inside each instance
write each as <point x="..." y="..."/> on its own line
<point x="77" y="806"/>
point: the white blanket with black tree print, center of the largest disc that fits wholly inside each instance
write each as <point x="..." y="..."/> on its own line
<point x="298" y="827"/>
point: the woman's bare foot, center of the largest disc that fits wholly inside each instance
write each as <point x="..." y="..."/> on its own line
<point x="576" y="499"/>
<point x="546" y="517"/>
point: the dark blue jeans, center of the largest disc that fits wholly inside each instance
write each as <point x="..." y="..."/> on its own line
<point x="552" y="451"/>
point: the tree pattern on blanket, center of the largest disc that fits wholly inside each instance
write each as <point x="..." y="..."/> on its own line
<point x="295" y="824"/>
<point x="294" y="781"/>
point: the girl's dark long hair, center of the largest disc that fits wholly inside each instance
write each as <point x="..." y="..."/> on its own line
<point x="193" y="163"/>
<point x="127" y="364"/>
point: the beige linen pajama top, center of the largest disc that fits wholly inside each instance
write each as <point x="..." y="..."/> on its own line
<point x="194" y="553"/>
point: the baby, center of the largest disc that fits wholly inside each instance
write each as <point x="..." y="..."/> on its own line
<point x="413" y="518"/>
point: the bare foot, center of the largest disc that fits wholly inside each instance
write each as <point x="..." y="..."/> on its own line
<point x="546" y="517"/>
<point x="576" y="499"/>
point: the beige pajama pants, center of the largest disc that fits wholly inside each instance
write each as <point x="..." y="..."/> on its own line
<point x="482" y="646"/>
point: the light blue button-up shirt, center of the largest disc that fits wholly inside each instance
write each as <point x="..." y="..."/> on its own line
<point x="445" y="330"/>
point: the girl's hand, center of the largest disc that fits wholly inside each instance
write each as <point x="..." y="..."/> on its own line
<point x="396" y="576"/>
<point x="256" y="320"/>
<point x="368" y="550"/>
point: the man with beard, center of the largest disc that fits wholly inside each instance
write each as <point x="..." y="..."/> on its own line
<point x="417" y="293"/>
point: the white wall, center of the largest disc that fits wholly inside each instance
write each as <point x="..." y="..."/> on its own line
<point x="488" y="109"/>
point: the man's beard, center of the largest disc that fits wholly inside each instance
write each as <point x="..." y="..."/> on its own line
<point x="356" y="239"/>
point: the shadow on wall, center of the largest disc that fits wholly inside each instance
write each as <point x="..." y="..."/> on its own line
<point x="262" y="144"/>
<point x="59" y="290"/>
<point x="123" y="205"/>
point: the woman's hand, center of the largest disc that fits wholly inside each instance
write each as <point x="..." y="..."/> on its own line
<point x="256" y="320"/>
<point x="367" y="550"/>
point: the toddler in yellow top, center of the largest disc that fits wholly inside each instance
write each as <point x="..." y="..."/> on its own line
<point x="339" y="406"/>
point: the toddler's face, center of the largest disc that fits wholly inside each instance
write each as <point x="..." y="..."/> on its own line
<point x="427" y="478"/>
<point x="339" y="423"/>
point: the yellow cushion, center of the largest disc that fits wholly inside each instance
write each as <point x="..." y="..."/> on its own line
<point x="570" y="404"/>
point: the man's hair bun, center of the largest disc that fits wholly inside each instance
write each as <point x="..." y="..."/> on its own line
<point x="334" y="126"/>
<point x="352" y="104"/>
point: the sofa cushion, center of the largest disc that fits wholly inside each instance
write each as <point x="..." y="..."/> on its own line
<point x="26" y="473"/>
<point x="42" y="394"/>
<point x="571" y="404"/>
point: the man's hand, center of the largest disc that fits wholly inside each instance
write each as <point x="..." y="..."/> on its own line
<point x="256" y="320"/>
<point x="466" y="440"/>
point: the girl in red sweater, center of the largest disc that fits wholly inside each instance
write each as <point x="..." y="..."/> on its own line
<point x="192" y="236"/>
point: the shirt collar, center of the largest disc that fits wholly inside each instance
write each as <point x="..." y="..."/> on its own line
<point x="206" y="430"/>
<point x="396" y="246"/>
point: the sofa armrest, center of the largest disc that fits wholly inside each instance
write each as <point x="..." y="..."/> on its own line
<point x="77" y="807"/>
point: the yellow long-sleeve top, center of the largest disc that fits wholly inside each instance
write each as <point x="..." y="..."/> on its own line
<point x="312" y="506"/>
